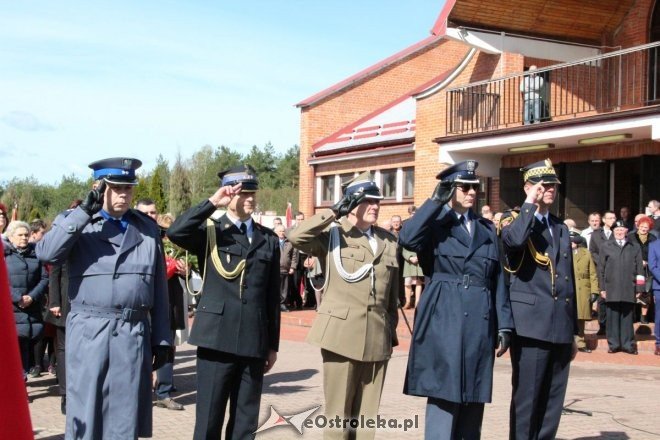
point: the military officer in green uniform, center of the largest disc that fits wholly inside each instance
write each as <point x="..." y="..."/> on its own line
<point x="356" y="322"/>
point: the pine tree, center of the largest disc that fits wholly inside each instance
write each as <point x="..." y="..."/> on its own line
<point x="180" y="190"/>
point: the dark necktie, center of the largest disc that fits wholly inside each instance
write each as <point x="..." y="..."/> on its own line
<point x="464" y="223"/>
<point x="546" y="231"/>
<point x="243" y="228"/>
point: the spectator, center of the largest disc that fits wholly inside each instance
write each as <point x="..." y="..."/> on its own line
<point x="486" y="212"/>
<point x="288" y="264"/>
<point x="176" y="270"/>
<point x="624" y="216"/>
<point x="654" y="268"/>
<point x="413" y="278"/>
<point x="315" y="278"/>
<point x="3" y="218"/>
<point x="643" y="238"/>
<point x="653" y="211"/>
<point x="619" y="266"/>
<point x="118" y="322"/>
<point x="586" y="284"/>
<point x="594" y="225"/>
<point x="299" y="296"/>
<point x="28" y="281"/>
<point x="47" y="342"/>
<point x="497" y="217"/>
<point x="395" y="225"/>
<point x="276" y="222"/>
<point x="531" y="88"/>
<point x="598" y="238"/>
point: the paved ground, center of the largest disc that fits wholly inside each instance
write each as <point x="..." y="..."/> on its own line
<point x="620" y="391"/>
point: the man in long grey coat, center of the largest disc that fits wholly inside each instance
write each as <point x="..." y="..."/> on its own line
<point x="119" y="306"/>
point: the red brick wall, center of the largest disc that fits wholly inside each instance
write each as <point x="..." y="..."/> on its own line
<point x="634" y="29"/>
<point x="335" y="112"/>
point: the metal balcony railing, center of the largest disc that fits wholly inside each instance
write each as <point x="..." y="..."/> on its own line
<point x="621" y="80"/>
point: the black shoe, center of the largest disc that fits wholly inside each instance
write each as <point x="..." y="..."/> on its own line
<point x="284" y="308"/>
<point x="63" y="405"/>
<point x="613" y="350"/>
<point x="35" y="371"/>
<point x="584" y="350"/>
<point x="643" y="320"/>
<point x="631" y="351"/>
<point x="601" y="332"/>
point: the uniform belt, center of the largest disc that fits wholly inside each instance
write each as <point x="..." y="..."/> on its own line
<point x="127" y="315"/>
<point x="466" y="280"/>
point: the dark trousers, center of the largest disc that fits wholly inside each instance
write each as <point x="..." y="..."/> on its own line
<point x="602" y="313"/>
<point x="221" y="377"/>
<point x="296" y="299"/>
<point x="540" y="377"/>
<point x="451" y="420"/>
<point x="284" y="287"/>
<point x="620" y="330"/>
<point x="60" y="367"/>
<point x="44" y="345"/>
<point x="165" y="377"/>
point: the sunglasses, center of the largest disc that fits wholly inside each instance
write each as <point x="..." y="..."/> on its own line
<point x="465" y="187"/>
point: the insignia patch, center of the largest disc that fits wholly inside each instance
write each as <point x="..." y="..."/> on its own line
<point x="228" y="258"/>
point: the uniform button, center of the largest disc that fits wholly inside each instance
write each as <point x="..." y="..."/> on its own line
<point x="566" y="278"/>
<point x="115" y="333"/>
<point x="568" y="300"/>
<point x="483" y="288"/>
<point x="71" y="228"/>
<point x="369" y="308"/>
<point x="466" y="313"/>
<point x="329" y="311"/>
<point x="555" y="298"/>
<point x="556" y="275"/>
<point x="244" y="301"/>
<point x="115" y="276"/>
<point x="322" y="217"/>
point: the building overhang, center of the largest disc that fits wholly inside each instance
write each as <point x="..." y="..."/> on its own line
<point x="540" y="18"/>
<point x="372" y="152"/>
<point x="636" y="125"/>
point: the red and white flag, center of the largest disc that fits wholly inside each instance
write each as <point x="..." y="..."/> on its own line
<point x="15" y="421"/>
<point x="289" y="214"/>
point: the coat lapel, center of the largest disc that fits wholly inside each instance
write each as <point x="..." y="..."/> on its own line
<point x="258" y="237"/>
<point x="132" y="238"/>
<point x="480" y="236"/>
<point x="110" y="233"/>
<point x="227" y="225"/>
<point x="460" y="233"/>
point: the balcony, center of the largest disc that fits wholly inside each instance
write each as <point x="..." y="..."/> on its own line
<point x="616" y="81"/>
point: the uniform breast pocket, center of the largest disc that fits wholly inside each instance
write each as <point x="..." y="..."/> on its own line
<point x="352" y="258"/>
<point x="230" y="254"/>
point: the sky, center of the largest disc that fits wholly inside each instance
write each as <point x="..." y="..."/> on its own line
<point x="82" y="81"/>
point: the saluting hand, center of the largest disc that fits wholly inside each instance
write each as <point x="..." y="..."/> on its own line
<point x="224" y="194"/>
<point x="534" y="193"/>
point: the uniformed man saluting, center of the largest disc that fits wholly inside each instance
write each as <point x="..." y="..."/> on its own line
<point x="356" y="322"/>
<point x="119" y="312"/>
<point x="465" y="311"/>
<point x="237" y="325"/>
<point x="542" y="291"/>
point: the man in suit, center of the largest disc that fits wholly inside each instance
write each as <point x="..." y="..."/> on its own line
<point x="119" y="307"/>
<point x="598" y="238"/>
<point x="620" y="269"/>
<point x="237" y="325"/>
<point x="465" y="311"/>
<point x="356" y="322"/>
<point x="594" y="224"/>
<point x="288" y="264"/>
<point x="544" y="309"/>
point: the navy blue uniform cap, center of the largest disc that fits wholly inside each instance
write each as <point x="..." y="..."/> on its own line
<point x="117" y="170"/>
<point x="243" y="174"/>
<point x="541" y="171"/>
<point x="461" y="172"/>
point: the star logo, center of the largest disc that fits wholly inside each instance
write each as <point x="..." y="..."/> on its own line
<point x="295" y="420"/>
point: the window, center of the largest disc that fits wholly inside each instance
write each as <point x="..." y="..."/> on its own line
<point x="408" y="182"/>
<point x="327" y="189"/>
<point x="388" y="185"/>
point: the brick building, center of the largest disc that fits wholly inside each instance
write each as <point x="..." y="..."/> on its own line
<point x="457" y="95"/>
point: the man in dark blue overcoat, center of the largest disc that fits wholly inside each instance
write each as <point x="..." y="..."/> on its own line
<point x="542" y="291"/>
<point x="465" y="310"/>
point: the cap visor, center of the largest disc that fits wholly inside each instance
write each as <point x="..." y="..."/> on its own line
<point x="467" y="181"/>
<point x="120" y="182"/>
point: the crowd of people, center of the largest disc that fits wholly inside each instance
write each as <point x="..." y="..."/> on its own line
<point x="118" y="283"/>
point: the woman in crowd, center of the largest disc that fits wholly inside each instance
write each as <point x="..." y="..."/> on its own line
<point x="586" y="283"/>
<point x="28" y="283"/>
<point x="642" y="237"/>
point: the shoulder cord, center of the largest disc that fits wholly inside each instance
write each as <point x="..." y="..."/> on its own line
<point x="212" y="246"/>
<point x="540" y="259"/>
<point x="335" y="248"/>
